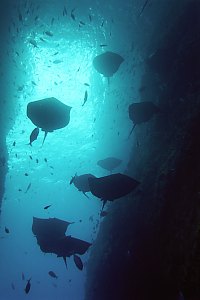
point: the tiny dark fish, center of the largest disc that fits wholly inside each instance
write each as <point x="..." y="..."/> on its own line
<point x="52" y="21"/>
<point x="42" y="39"/>
<point x="145" y="4"/>
<point x="23" y="277"/>
<point x="13" y="286"/>
<point x="102" y="23"/>
<point x="57" y="61"/>
<point x="45" y="160"/>
<point x="26" y="174"/>
<point x="34" y="135"/>
<point x="46" y="207"/>
<point x="37" y="161"/>
<point x="28" y="286"/>
<point x="19" y="190"/>
<point x="86" y="84"/>
<point x="33" y="43"/>
<point x="49" y="33"/>
<point x="52" y="274"/>
<point x="85" y="98"/>
<point x="28" y="188"/>
<point x="20" y="17"/>
<point x="30" y="157"/>
<point x="78" y="262"/>
<point x="103" y="45"/>
<point x="72" y="15"/>
<point x="90" y="18"/>
<point x="7" y="230"/>
<point x="36" y="18"/>
<point x="56" y="53"/>
<point x="14" y="144"/>
<point x="33" y="82"/>
<point x="81" y="23"/>
<point x="64" y="11"/>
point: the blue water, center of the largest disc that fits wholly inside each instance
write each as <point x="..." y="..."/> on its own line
<point x="96" y="131"/>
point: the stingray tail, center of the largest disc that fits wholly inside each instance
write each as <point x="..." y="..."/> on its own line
<point x="45" y="135"/>
<point x="104" y="202"/>
<point x="86" y="195"/>
<point x="131" y="130"/>
<point x="65" y="261"/>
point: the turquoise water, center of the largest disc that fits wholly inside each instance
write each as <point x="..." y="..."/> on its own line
<point x="58" y="67"/>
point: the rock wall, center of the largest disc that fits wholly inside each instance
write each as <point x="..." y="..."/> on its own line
<point x="148" y="245"/>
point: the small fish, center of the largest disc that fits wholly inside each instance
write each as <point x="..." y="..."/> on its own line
<point x="14" y="144"/>
<point x="33" y="82"/>
<point x="7" y="230"/>
<point x="45" y="159"/>
<point x="72" y="14"/>
<point x="52" y="274"/>
<point x="52" y="21"/>
<point x="41" y="39"/>
<point x="26" y="174"/>
<point x="56" y="53"/>
<point x="30" y="157"/>
<point x="36" y="18"/>
<point x="46" y="207"/>
<point x="37" y="160"/>
<point x="20" y="17"/>
<point x="85" y="98"/>
<point x="145" y="4"/>
<point x="64" y="11"/>
<point x="81" y="23"/>
<point x="103" y="45"/>
<point x="19" y="190"/>
<point x="78" y="262"/>
<point x="23" y="277"/>
<point x="57" y="61"/>
<point x="86" y="84"/>
<point x="28" y="286"/>
<point x="34" y="135"/>
<point x="28" y="188"/>
<point x="49" y="33"/>
<point x="90" y="18"/>
<point x="33" y="42"/>
<point x="13" y="286"/>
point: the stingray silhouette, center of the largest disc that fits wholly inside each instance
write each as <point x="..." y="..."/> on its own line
<point x="112" y="187"/>
<point x="81" y="182"/>
<point x="48" y="114"/>
<point x="141" y="112"/>
<point x="107" y="63"/>
<point x="109" y="163"/>
<point x="50" y="235"/>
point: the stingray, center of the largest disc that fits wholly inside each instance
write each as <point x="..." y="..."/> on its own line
<point x="81" y="182"/>
<point x="112" y="187"/>
<point x="50" y="235"/>
<point x="49" y="114"/>
<point x="141" y="112"/>
<point x="107" y="63"/>
<point x="109" y="163"/>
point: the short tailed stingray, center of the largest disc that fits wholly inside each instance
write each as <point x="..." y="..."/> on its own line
<point x="109" y="163"/>
<point x="107" y="63"/>
<point x="50" y="235"/>
<point x="141" y="112"/>
<point x="48" y="114"/>
<point x="81" y="182"/>
<point x="111" y="187"/>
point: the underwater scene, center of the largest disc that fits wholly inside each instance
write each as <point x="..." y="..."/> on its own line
<point x="99" y="150"/>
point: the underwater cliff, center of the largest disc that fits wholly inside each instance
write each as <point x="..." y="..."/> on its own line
<point x="99" y="161"/>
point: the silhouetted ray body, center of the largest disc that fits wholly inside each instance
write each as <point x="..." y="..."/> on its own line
<point x="107" y="63"/>
<point x="109" y="163"/>
<point x="141" y="112"/>
<point x="48" y="114"/>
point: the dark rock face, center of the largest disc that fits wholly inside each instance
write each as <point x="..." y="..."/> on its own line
<point x="148" y="247"/>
